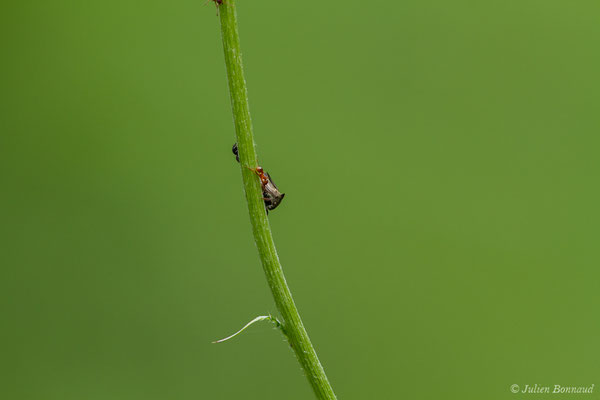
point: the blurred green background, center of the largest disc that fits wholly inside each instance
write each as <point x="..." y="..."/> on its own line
<point x="440" y="229"/>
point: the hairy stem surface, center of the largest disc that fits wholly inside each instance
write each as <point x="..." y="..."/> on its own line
<point x="292" y="324"/>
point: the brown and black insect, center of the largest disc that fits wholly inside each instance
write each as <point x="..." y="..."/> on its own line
<point x="271" y="195"/>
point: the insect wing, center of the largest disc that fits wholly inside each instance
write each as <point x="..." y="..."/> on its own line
<point x="272" y="194"/>
<point x="271" y="180"/>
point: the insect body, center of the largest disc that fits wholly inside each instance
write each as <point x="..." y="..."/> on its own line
<point x="234" y="149"/>
<point x="271" y="194"/>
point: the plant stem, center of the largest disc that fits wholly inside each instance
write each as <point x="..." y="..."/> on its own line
<point x="292" y="324"/>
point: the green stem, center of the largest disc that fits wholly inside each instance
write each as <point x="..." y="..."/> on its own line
<point x="292" y="324"/>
